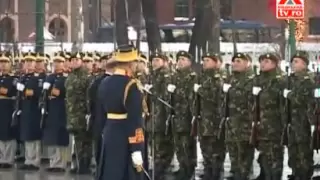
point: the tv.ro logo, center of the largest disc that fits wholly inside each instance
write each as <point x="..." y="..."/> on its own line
<point x="290" y="9"/>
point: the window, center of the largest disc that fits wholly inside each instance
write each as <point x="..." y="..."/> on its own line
<point x="314" y="26"/>
<point x="182" y="8"/>
<point x="57" y="28"/>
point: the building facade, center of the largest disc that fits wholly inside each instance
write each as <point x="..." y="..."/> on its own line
<point x="17" y="17"/>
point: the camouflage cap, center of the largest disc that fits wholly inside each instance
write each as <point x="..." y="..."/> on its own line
<point x="183" y="54"/>
<point x="77" y="55"/>
<point x="302" y="55"/>
<point x="213" y="56"/>
<point x="88" y="57"/>
<point x="270" y="56"/>
<point x="241" y="56"/>
<point x="158" y="55"/>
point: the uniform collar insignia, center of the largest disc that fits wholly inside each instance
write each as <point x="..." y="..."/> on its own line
<point x="36" y="74"/>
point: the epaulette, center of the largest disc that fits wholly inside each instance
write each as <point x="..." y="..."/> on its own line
<point x="65" y="74"/>
<point x="217" y="75"/>
<point x="193" y="74"/>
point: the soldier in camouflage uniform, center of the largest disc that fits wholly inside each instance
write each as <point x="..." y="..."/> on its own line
<point x="268" y="87"/>
<point x="209" y="89"/>
<point x="141" y="73"/>
<point x="300" y="95"/>
<point x="182" y="88"/>
<point x="238" y="126"/>
<point x="163" y="145"/>
<point x="76" y="86"/>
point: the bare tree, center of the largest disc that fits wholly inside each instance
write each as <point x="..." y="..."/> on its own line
<point x="151" y="24"/>
<point x="121" y="26"/>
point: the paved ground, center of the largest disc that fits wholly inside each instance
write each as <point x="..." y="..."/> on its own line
<point x="41" y="175"/>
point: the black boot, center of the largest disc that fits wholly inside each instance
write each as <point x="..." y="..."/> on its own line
<point x="277" y="176"/>
<point x="216" y="173"/>
<point x="207" y="173"/>
<point x="84" y="166"/>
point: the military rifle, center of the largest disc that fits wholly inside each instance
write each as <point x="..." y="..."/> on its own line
<point x="222" y="125"/>
<point x="172" y="112"/>
<point x="256" y="118"/>
<point x="17" y="111"/>
<point x="43" y="107"/>
<point x="316" y="132"/>
<point x="197" y="115"/>
<point x="286" y="129"/>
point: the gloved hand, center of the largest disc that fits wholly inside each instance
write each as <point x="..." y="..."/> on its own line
<point x="46" y="85"/>
<point x="137" y="159"/>
<point x="20" y="87"/>
<point x="226" y="87"/>
<point x="256" y="90"/>
<point x="286" y="92"/>
<point x="196" y="87"/>
<point x="171" y="88"/>
<point x="147" y="87"/>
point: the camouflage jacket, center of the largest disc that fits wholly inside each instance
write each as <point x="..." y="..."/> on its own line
<point x="240" y="96"/>
<point x="76" y="98"/>
<point x="211" y="97"/>
<point x="300" y="97"/>
<point x="160" y="78"/>
<point x="183" y="99"/>
<point x="142" y="77"/>
<point x="271" y="105"/>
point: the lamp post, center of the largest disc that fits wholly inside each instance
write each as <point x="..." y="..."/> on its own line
<point x="39" y="25"/>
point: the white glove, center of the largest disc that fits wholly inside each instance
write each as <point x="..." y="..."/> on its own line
<point x="256" y="90"/>
<point x="46" y="85"/>
<point x="147" y="87"/>
<point x="286" y="92"/>
<point x="137" y="158"/>
<point x="20" y="87"/>
<point x="196" y="87"/>
<point x="317" y="93"/>
<point x="226" y="87"/>
<point x="171" y="88"/>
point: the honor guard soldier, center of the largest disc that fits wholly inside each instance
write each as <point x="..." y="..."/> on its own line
<point x="7" y="132"/>
<point x="123" y="138"/>
<point x="76" y="85"/>
<point x="181" y="89"/>
<point x="67" y="67"/>
<point x="55" y="134"/>
<point x="96" y="123"/>
<point x="30" y="131"/>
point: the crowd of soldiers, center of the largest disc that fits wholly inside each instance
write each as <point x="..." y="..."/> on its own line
<point x="235" y="109"/>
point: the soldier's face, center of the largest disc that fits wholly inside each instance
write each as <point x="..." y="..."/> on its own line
<point x="183" y="62"/>
<point x="298" y="65"/>
<point x="209" y="63"/>
<point x="40" y="65"/>
<point x="58" y="65"/>
<point x="29" y="65"/>
<point x="134" y="66"/>
<point x="141" y="66"/>
<point x="97" y="64"/>
<point x="88" y="64"/>
<point x="4" y="65"/>
<point x="157" y="63"/>
<point x="75" y="63"/>
<point x="267" y="65"/>
<point x="239" y="65"/>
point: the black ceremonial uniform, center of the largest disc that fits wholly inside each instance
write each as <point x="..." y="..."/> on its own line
<point x="30" y="131"/>
<point x="7" y="132"/>
<point x="97" y="122"/>
<point x="55" y="132"/>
